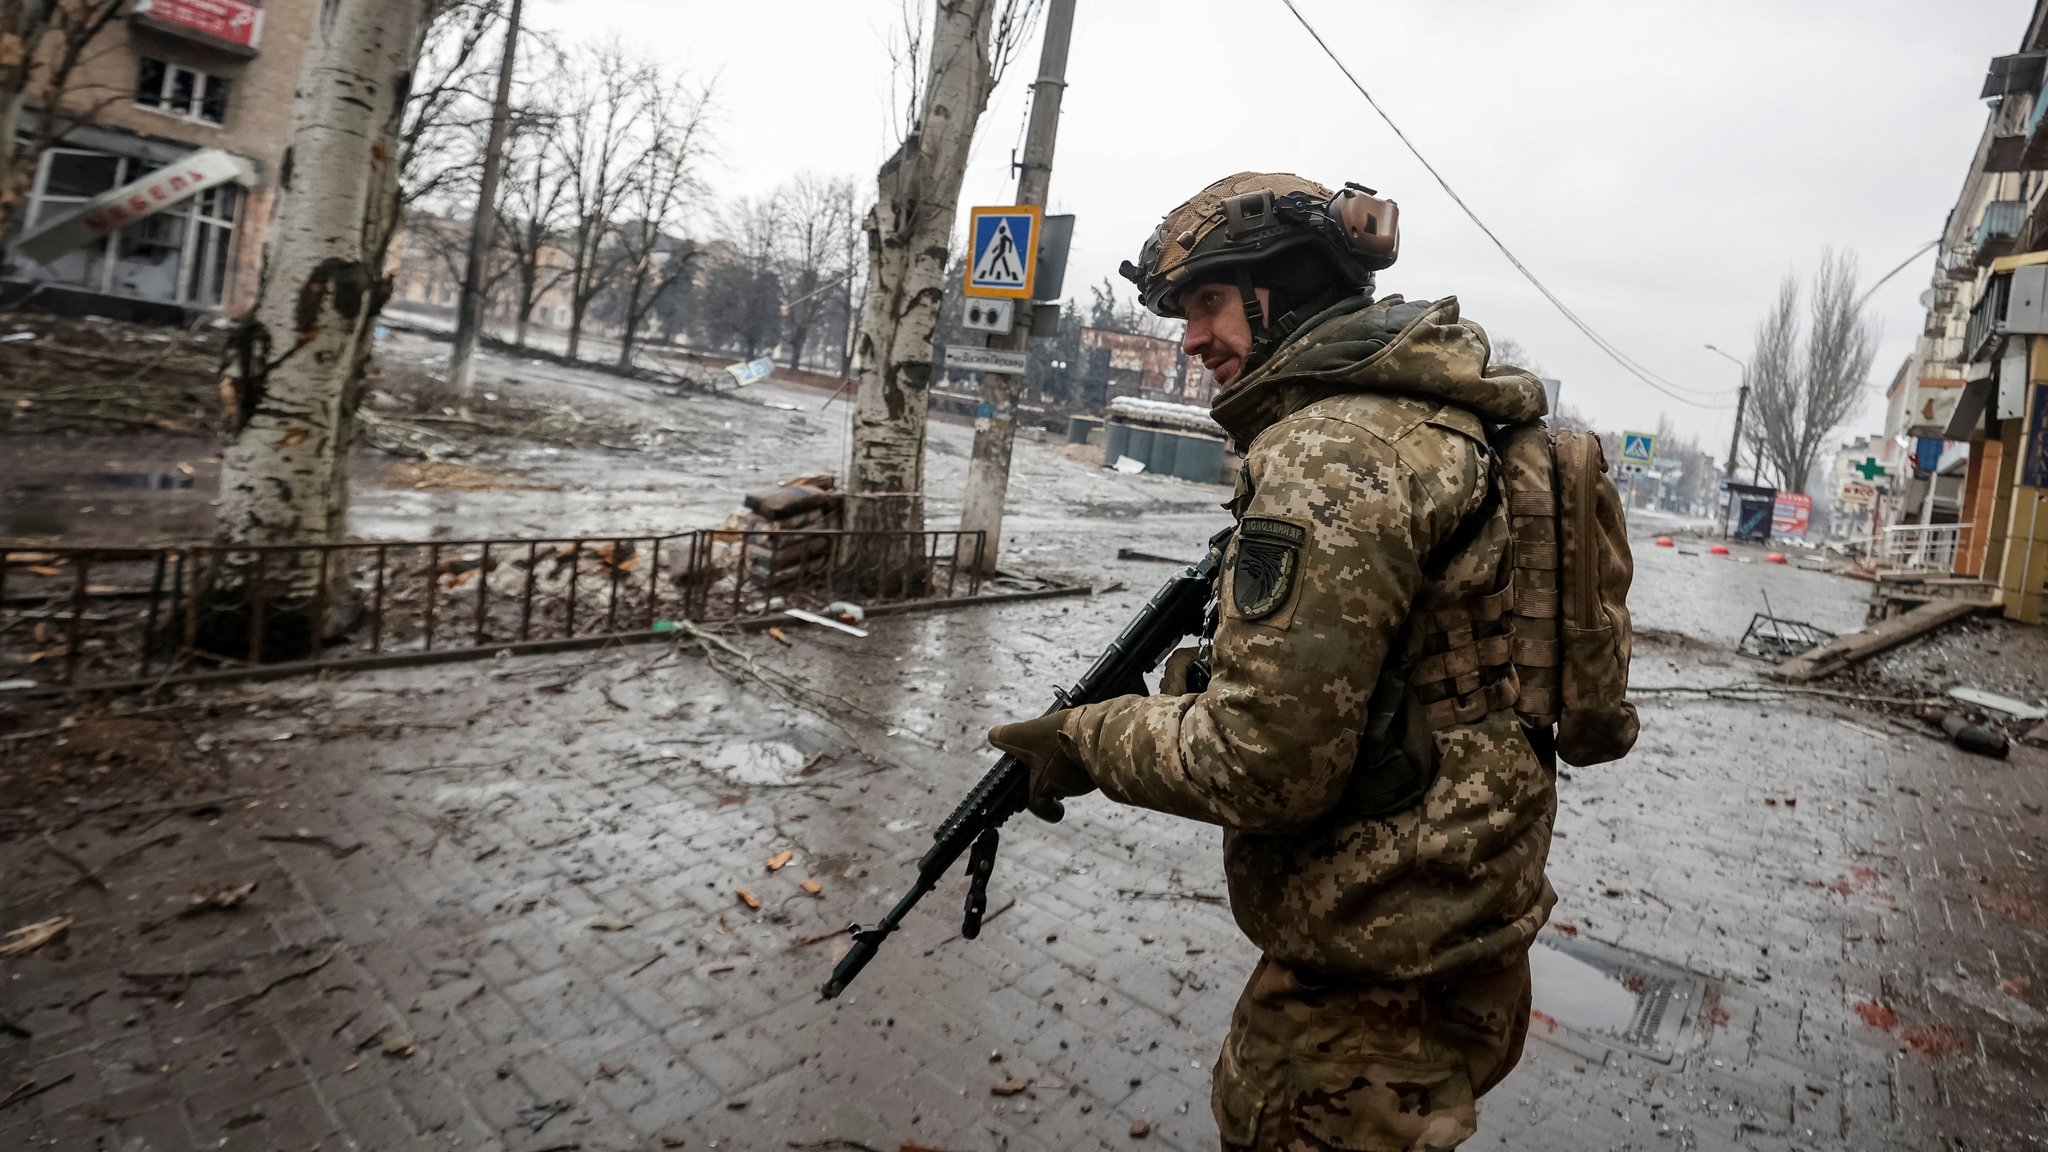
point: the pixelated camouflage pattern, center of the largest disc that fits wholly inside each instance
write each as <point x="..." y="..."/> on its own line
<point x="1314" y="1067"/>
<point x="1366" y="431"/>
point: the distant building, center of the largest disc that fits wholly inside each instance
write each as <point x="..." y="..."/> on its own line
<point x="184" y="76"/>
<point x="1148" y="367"/>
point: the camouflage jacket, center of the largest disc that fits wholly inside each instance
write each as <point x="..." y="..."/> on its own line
<point x="1367" y="448"/>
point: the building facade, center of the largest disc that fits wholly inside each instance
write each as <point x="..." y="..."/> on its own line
<point x="1973" y="398"/>
<point x="171" y="78"/>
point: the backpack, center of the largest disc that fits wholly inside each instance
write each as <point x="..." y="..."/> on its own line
<point x="1570" y="624"/>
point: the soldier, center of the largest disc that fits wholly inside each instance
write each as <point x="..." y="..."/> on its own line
<point x="1350" y="720"/>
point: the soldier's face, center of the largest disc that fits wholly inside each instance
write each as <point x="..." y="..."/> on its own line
<point x="1219" y="334"/>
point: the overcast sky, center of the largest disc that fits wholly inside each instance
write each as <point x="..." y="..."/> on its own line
<point x="1660" y="164"/>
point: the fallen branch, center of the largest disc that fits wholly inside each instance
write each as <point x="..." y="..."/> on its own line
<point x="1201" y="897"/>
<point x="29" y="1089"/>
<point x="1757" y="691"/>
<point x="248" y="998"/>
<point x="789" y="687"/>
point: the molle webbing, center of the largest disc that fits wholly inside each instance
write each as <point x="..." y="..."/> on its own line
<point x="1530" y="478"/>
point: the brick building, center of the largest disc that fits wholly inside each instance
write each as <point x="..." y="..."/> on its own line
<point x="172" y="77"/>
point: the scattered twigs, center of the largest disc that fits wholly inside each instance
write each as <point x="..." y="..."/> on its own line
<point x="85" y="874"/>
<point x="1200" y="897"/>
<point x="1760" y="691"/>
<point x="717" y="651"/>
<point x="29" y="1089"/>
<point x="237" y="1003"/>
<point x="650" y="962"/>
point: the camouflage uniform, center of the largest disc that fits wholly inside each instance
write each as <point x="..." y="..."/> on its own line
<point x="1394" y="988"/>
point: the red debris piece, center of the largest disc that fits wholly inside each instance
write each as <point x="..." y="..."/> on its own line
<point x="1775" y="558"/>
<point x="1877" y="1015"/>
<point x="1666" y="542"/>
<point x="1718" y="549"/>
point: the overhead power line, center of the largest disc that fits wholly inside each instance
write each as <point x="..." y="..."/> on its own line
<point x="1659" y="383"/>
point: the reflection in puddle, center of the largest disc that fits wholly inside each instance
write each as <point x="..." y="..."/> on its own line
<point x="1617" y="997"/>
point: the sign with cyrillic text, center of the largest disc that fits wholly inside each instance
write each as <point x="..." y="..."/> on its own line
<point x="109" y="212"/>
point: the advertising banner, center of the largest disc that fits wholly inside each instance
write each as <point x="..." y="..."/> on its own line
<point x="110" y="212"/>
<point x="228" y="21"/>
<point x="1791" y="515"/>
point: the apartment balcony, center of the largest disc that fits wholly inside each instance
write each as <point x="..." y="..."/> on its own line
<point x="230" y="26"/>
<point x="1997" y="230"/>
<point x="1960" y="262"/>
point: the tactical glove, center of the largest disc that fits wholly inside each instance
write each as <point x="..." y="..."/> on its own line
<point x="1054" y="761"/>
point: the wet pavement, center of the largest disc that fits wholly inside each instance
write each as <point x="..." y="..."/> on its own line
<point x="542" y="903"/>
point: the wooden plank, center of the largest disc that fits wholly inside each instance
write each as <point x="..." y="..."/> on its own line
<point x="1856" y="647"/>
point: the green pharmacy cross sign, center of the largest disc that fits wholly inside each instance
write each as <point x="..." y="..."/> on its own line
<point x="1870" y="468"/>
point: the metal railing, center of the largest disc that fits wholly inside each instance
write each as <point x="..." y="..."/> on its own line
<point x="1920" y="547"/>
<point x="79" y="616"/>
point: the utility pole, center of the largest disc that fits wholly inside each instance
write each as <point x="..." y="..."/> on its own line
<point x="988" y="467"/>
<point x="469" y="315"/>
<point x="1734" y="438"/>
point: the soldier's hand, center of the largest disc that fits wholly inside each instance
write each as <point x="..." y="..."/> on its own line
<point x="1173" y="675"/>
<point x="1050" y="754"/>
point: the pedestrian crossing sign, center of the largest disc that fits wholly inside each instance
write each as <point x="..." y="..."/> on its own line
<point x="1003" y="261"/>
<point x="1638" y="448"/>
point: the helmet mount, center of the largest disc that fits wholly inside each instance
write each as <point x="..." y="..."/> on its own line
<point x="1307" y="246"/>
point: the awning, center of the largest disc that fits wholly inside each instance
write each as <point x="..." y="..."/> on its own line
<point x="1967" y="422"/>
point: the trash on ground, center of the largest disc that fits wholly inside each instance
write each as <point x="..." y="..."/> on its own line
<point x="30" y="937"/>
<point x="776" y="861"/>
<point x="780" y="637"/>
<point x="2017" y="709"/>
<point x="16" y="685"/>
<point x="813" y="887"/>
<point x="1010" y="1087"/>
<point x="747" y="898"/>
<point x="1775" y="638"/>
<point x="1128" y="466"/>
<point x="396" y="1042"/>
<point x="823" y="621"/>
<point x="1982" y="739"/>
<point x="846" y="611"/>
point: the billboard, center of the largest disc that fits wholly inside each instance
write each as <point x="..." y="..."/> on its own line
<point x="1150" y="362"/>
<point x="230" y="22"/>
<point x="1791" y="515"/>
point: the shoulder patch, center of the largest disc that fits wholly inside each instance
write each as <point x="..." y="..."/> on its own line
<point x="1268" y="559"/>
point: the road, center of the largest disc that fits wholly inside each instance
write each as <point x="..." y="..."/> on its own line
<point x="529" y="904"/>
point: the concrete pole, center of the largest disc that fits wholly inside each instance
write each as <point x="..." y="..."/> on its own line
<point x="995" y="429"/>
<point x="469" y="315"/>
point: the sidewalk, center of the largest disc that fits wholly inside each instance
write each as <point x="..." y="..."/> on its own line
<point x="500" y="907"/>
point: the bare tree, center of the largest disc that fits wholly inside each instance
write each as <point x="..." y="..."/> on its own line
<point x="813" y="218"/>
<point x="1803" y="386"/>
<point x="952" y="66"/>
<point x="42" y="43"/>
<point x="599" y="144"/>
<point x="294" y="371"/>
<point x="532" y="211"/>
<point x="663" y="185"/>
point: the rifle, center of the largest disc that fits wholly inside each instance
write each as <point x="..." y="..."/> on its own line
<point x="1174" y="611"/>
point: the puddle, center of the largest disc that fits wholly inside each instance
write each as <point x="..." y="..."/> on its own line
<point x="1620" y="998"/>
<point x="759" y="762"/>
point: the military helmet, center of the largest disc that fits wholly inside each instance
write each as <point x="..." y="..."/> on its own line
<point x="1270" y="229"/>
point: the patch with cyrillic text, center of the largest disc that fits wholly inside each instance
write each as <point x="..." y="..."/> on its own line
<point x="1268" y="556"/>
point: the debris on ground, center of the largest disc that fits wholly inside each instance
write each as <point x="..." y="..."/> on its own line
<point x="776" y="861"/>
<point x="1010" y="1087"/>
<point x="1777" y="639"/>
<point x="1970" y="736"/>
<point x="30" y="937"/>
<point x="1992" y="701"/>
<point x="824" y="621"/>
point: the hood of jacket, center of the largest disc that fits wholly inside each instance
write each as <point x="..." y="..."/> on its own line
<point x="1395" y="346"/>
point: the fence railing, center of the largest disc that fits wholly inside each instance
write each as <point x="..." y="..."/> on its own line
<point x="1920" y="547"/>
<point x="76" y="616"/>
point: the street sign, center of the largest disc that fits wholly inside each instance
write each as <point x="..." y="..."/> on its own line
<point x="112" y="211"/>
<point x="968" y="358"/>
<point x="1003" y="256"/>
<point x="1057" y="236"/>
<point x="1870" y="468"/>
<point x="995" y="316"/>
<point x="1638" y="448"/>
<point x="751" y="371"/>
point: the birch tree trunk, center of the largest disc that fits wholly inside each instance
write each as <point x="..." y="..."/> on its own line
<point x="292" y="382"/>
<point x="908" y="232"/>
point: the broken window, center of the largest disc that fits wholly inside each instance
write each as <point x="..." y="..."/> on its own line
<point x="180" y="255"/>
<point x="179" y="91"/>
